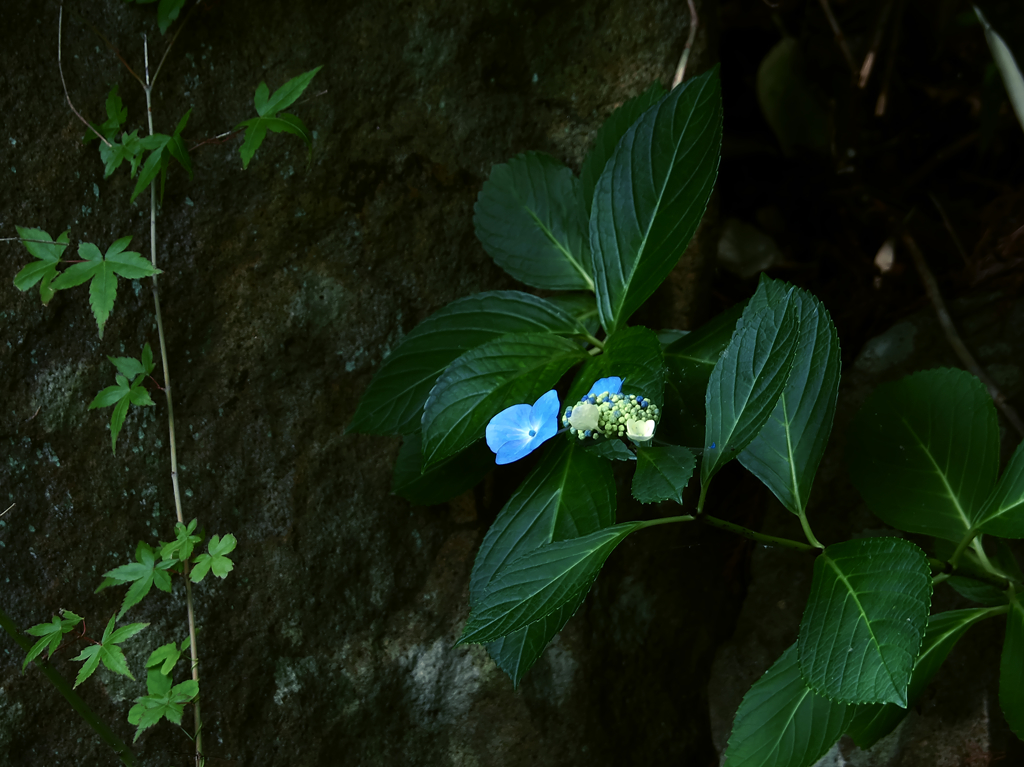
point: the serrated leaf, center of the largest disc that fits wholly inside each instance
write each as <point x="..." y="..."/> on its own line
<point x="183" y="544"/>
<point x="1002" y="513"/>
<point x="108" y="652"/>
<point x="688" y="366"/>
<point x="873" y="721"/>
<point x="447" y="479"/>
<point x="147" y="359"/>
<point x="48" y="252"/>
<point x="750" y="375"/>
<point x="864" y="621"/>
<point x="51" y="635"/>
<point x="168" y="704"/>
<point x="509" y="370"/>
<point x="608" y="137"/>
<point x="787" y="450"/>
<point x="284" y="96"/>
<point x="568" y="494"/>
<point x="540" y="582"/>
<point x="393" y="403"/>
<point x="1011" y="669"/>
<point x="267" y="108"/>
<point x="633" y="354"/>
<point x="127" y="366"/>
<point x="216" y="559"/>
<point x="154" y="164"/>
<point x="782" y="722"/>
<point x="142" y="574"/>
<point x="165" y="656"/>
<point x="611" y="449"/>
<point x="924" y="451"/>
<point x="662" y="473"/>
<point x="103" y="272"/>
<point x="530" y="218"/>
<point x="117" y="113"/>
<point x="582" y="307"/>
<point x="651" y="196"/>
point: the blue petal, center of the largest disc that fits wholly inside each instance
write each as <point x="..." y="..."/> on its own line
<point x="508" y="433"/>
<point x="612" y="385"/>
<point x="511" y="424"/>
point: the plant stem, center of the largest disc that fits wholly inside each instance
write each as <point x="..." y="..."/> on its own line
<point x="665" y="521"/>
<point x="65" y="689"/>
<point x="807" y="532"/>
<point x="953" y="560"/>
<point x="594" y="341"/>
<point x="991" y="579"/>
<point x="193" y="647"/>
<point x="768" y="540"/>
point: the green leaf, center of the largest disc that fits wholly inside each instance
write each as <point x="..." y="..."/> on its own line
<point x="44" y="270"/>
<point x="51" y="635"/>
<point x="509" y="370"/>
<point x="569" y="494"/>
<point x="634" y="355"/>
<point x="154" y="164"/>
<point x="447" y="479"/>
<point x="651" y="196"/>
<point x="122" y="394"/>
<point x="662" y="473"/>
<point x="117" y="113"/>
<point x="786" y="452"/>
<point x="393" y="403"/>
<point x="865" y="619"/>
<point x="782" y="722"/>
<point x="103" y="270"/>
<point x="166" y="657"/>
<point x="582" y="307"/>
<point x="608" y="137"/>
<point x="873" y="721"/>
<point x="688" y="366"/>
<point x="267" y="108"/>
<point x="216" y="560"/>
<point x="129" y="148"/>
<point x="612" y="450"/>
<point x="1011" y="669"/>
<point x="1002" y="514"/>
<point x="147" y="359"/>
<point x="540" y="582"/>
<point x="924" y="451"/>
<point x="181" y="547"/>
<point x="108" y="652"/>
<point x="530" y="219"/>
<point x="142" y="574"/>
<point x="750" y="374"/>
<point x="127" y="366"/>
<point x="167" y="12"/>
<point x="167" y="704"/>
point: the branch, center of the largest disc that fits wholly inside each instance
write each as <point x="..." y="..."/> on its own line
<point x="60" y="66"/>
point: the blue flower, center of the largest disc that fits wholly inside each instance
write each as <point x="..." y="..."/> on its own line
<point x="519" y="430"/>
<point x="612" y="385"/>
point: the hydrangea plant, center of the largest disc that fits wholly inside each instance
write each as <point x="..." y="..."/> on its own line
<point x="757" y="384"/>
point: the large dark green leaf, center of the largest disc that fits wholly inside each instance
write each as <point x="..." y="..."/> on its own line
<point x="582" y="307"/>
<point x="530" y="219"/>
<point x="609" y="135"/>
<point x="924" y="452"/>
<point x="634" y="355"/>
<point x="447" y="479"/>
<point x="393" y="403"/>
<point x="651" y="196"/>
<point x="750" y="375"/>
<point x="865" y="619"/>
<point x="786" y="452"/>
<point x="662" y="473"/>
<point x="873" y="721"/>
<point x="1003" y="512"/>
<point x="541" y="582"/>
<point x="1011" y="669"/>
<point x="782" y="722"/>
<point x="688" y="365"/>
<point x="510" y="370"/>
<point x="570" y="493"/>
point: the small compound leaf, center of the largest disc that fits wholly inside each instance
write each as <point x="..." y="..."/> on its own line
<point x="530" y="219"/>
<point x="216" y="560"/>
<point x="662" y="473"/>
<point x="782" y="722"/>
<point x="48" y="252"/>
<point x="786" y="452"/>
<point x="127" y="366"/>
<point x="482" y="382"/>
<point x="539" y="583"/>
<point x="873" y="721"/>
<point x="286" y="95"/>
<point x="1011" y="669"/>
<point x="865" y="619"/>
<point x="751" y="374"/>
<point x="393" y="403"/>
<point x="165" y="656"/>
<point x="924" y="452"/>
<point x="117" y="113"/>
<point x="609" y="135"/>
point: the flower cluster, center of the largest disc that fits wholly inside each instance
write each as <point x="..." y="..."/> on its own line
<point x="606" y="412"/>
<point x="518" y="430"/>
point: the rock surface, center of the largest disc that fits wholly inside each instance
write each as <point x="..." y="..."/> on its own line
<point x="284" y="287"/>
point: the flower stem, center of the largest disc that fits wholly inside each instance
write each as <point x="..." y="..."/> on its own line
<point x="193" y="646"/>
<point x="65" y="689"/>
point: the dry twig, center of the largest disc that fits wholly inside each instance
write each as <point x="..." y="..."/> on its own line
<point x="876" y="43"/>
<point x="840" y="38"/>
<point x="691" y="36"/>
<point x="60" y="66"/>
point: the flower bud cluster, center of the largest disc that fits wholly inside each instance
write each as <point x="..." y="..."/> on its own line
<point x="612" y="415"/>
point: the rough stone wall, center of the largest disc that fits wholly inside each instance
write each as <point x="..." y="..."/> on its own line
<point x="284" y="287"/>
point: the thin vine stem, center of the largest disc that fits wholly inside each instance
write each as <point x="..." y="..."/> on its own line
<point x="193" y="647"/>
